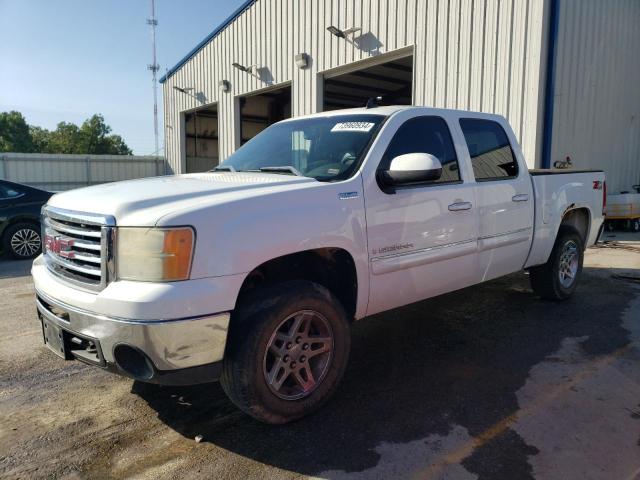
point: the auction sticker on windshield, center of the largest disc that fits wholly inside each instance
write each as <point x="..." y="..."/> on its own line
<point x="353" y="127"/>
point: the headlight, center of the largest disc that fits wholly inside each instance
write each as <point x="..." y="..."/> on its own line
<point x="154" y="254"/>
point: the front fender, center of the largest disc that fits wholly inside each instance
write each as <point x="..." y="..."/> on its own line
<point x="239" y="235"/>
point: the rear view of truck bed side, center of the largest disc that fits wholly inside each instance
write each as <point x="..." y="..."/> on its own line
<point x="565" y="197"/>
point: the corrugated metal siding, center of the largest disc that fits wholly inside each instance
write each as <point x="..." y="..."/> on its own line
<point x="468" y="54"/>
<point x="597" y="94"/>
<point x="59" y="172"/>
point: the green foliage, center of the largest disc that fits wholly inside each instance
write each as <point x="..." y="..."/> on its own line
<point x="92" y="137"/>
<point x="14" y="133"/>
<point x="64" y="139"/>
<point x="40" y="139"/>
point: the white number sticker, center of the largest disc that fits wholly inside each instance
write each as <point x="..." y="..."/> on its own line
<point x="353" y="127"/>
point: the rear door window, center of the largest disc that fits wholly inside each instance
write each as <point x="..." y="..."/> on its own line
<point x="491" y="154"/>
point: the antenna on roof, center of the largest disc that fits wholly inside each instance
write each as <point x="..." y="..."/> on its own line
<point x="373" y="102"/>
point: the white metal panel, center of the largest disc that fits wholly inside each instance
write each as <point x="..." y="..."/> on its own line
<point x="597" y="95"/>
<point x="59" y="172"/>
<point x="469" y="54"/>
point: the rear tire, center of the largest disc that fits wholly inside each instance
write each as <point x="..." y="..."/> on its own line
<point x="557" y="279"/>
<point x="634" y="225"/>
<point x="277" y="376"/>
<point x="22" y="241"/>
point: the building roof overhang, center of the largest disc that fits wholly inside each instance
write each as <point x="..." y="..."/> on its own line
<point x="207" y="39"/>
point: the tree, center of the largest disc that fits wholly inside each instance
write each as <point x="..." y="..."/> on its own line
<point x="118" y="146"/>
<point x="64" y="139"/>
<point x="92" y="137"/>
<point x="14" y="133"/>
<point x="40" y="138"/>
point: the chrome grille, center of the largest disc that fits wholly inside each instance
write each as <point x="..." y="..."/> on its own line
<point x="78" y="246"/>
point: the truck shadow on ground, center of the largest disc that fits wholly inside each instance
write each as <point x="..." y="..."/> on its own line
<point x="457" y="360"/>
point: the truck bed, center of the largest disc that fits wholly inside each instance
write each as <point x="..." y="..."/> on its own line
<point x="555" y="193"/>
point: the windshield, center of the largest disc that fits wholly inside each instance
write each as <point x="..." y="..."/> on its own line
<point x="324" y="148"/>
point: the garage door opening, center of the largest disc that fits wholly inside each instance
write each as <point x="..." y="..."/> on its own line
<point x="259" y="111"/>
<point x="393" y="81"/>
<point x="201" y="139"/>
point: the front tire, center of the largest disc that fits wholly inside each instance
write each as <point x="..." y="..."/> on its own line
<point x="22" y="241"/>
<point x="287" y="351"/>
<point x="557" y="279"/>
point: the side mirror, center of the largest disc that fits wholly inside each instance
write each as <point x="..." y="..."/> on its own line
<point x="412" y="168"/>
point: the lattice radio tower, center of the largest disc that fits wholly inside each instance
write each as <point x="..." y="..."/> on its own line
<point x="154" y="67"/>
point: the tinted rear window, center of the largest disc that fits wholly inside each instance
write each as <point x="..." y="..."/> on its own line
<point x="491" y="154"/>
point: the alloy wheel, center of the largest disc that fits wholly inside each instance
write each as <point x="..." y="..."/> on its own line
<point x="569" y="263"/>
<point x="298" y="355"/>
<point x="25" y="242"/>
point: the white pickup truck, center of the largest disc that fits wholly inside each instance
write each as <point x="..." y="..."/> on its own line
<point x="252" y="273"/>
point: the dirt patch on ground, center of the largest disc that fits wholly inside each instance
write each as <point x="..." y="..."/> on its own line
<point x="437" y="389"/>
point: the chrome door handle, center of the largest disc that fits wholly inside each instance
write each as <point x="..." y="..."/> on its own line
<point x="522" y="197"/>
<point x="456" y="207"/>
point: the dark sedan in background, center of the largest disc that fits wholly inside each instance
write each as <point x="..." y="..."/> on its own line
<point x="20" y="219"/>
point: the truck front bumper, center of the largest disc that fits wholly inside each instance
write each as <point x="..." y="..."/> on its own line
<point x="192" y="348"/>
<point x="154" y="332"/>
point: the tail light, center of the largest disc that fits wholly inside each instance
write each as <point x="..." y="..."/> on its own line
<point x="604" y="197"/>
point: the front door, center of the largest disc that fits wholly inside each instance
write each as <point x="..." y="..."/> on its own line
<point x="421" y="238"/>
<point x="504" y="197"/>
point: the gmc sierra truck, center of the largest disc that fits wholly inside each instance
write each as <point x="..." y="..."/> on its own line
<point x="252" y="273"/>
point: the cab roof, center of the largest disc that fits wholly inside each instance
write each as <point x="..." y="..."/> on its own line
<point x="391" y="109"/>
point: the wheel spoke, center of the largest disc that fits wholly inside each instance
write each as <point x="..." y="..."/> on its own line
<point x="278" y="351"/>
<point x="568" y="264"/>
<point x="295" y="326"/>
<point x="308" y="382"/>
<point x="324" y="342"/>
<point x="305" y="324"/>
<point x="276" y="378"/>
<point x="282" y="338"/>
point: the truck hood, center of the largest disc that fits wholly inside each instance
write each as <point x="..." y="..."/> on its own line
<point x="143" y="202"/>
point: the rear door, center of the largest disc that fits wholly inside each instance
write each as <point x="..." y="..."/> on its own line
<point x="504" y="196"/>
<point x="421" y="238"/>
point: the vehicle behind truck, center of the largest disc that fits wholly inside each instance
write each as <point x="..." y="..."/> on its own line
<point x="253" y="273"/>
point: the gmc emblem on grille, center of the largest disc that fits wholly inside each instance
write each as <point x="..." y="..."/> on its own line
<point x="59" y="246"/>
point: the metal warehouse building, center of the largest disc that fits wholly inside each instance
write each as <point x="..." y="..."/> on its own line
<point x="566" y="73"/>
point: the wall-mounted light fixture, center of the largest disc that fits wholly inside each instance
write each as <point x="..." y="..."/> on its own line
<point x="302" y="60"/>
<point x="224" y="85"/>
<point x="342" y="33"/>
<point x="248" y="69"/>
<point x="186" y="90"/>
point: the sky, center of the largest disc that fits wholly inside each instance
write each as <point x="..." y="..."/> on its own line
<point x="64" y="60"/>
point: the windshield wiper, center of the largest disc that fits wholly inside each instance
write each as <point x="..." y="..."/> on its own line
<point x="284" y="168"/>
<point x="223" y="168"/>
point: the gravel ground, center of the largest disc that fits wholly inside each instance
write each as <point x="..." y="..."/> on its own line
<point x="488" y="382"/>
